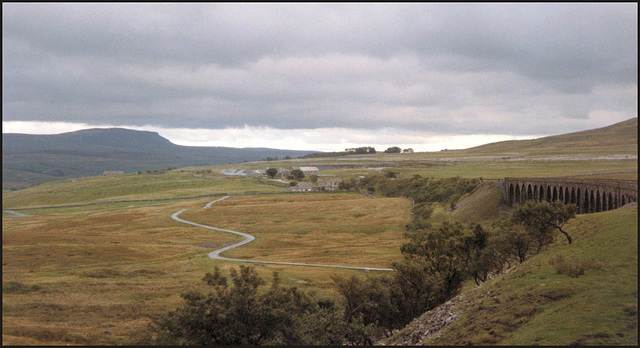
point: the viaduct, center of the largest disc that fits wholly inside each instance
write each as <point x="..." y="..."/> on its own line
<point x="589" y="195"/>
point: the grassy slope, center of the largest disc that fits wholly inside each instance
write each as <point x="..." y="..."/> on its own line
<point x="536" y="305"/>
<point x="130" y="187"/>
<point x="621" y="137"/>
<point x="481" y="205"/>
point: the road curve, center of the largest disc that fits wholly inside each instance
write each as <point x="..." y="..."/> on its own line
<point x="248" y="239"/>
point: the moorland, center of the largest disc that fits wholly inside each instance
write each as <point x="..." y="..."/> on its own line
<point x="93" y="260"/>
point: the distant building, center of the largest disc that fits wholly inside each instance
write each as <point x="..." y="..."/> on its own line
<point x="302" y="187"/>
<point x="112" y="172"/>
<point x="308" y="170"/>
<point x="241" y="172"/>
<point x="329" y="184"/>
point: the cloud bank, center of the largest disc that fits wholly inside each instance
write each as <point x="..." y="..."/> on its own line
<point x="343" y="72"/>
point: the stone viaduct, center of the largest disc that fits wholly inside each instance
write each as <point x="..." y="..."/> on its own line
<point x="589" y="195"/>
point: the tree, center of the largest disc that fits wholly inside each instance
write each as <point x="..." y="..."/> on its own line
<point x="313" y="178"/>
<point x="393" y="149"/>
<point x="540" y="218"/>
<point x="297" y="174"/>
<point x="365" y="150"/>
<point x="511" y="239"/>
<point x="240" y="311"/>
<point x="272" y="172"/>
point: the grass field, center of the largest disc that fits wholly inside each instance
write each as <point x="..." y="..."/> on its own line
<point x="131" y="187"/>
<point x="343" y="229"/>
<point x="97" y="277"/>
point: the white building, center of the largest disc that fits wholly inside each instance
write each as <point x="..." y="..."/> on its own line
<point x="240" y="172"/>
<point x="308" y="170"/>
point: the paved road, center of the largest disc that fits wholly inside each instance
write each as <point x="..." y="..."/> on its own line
<point x="248" y="239"/>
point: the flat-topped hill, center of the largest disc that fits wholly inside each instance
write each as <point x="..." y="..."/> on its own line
<point x="30" y="159"/>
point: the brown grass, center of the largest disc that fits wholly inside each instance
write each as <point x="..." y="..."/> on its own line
<point x="346" y="229"/>
<point x="99" y="277"/>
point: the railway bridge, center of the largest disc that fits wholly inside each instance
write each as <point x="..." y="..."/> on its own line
<point x="589" y="195"/>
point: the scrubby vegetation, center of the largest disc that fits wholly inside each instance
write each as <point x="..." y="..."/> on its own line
<point x="437" y="260"/>
<point x="239" y="311"/>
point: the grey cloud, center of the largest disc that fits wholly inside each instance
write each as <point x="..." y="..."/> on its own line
<point x="449" y="67"/>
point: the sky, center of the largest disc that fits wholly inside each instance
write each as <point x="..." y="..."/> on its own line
<point x="320" y="76"/>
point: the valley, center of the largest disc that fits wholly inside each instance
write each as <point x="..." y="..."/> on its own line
<point x="91" y="261"/>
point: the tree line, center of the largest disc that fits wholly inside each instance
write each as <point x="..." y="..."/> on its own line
<point x="363" y="150"/>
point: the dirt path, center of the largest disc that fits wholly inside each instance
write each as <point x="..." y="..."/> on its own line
<point x="248" y="239"/>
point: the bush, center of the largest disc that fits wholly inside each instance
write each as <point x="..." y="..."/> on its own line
<point x="421" y="189"/>
<point x="572" y="268"/>
<point x="239" y="311"/>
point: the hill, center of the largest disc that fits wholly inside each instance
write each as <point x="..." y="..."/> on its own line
<point x="585" y="293"/>
<point x="621" y="137"/>
<point x="31" y="159"/>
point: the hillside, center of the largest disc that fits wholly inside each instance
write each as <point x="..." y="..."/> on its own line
<point x="30" y="159"/>
<point x="621" y="137"/>
<point x="547" y="300"/>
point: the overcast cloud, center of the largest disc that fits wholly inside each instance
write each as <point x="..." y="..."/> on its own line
<point x="320" y="76"/>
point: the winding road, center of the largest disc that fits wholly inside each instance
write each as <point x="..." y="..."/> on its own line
<point x="248" y="239"/>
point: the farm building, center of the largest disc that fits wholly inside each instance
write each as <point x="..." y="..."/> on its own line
<point x="302" y="187"/>
<point x="308" y="170"/>
<point x="329" y="184"/>
<point x="241" y="172"/>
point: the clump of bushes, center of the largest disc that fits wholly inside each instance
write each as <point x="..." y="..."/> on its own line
<point x="421" y="189"/>
<point x="573" y="268"/>
<point x="242" y="310"/>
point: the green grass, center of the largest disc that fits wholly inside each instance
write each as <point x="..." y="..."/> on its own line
<point x="535" y="304"/>
<point x="130" y="187"/>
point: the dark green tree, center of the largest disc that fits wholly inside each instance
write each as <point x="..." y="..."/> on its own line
<point x="240" y="311"/>
<point x="272" y="172"/>
<point x="541" y="218"/>
<point x="393" y="149"/>
<point x="511" y="239"/>
<point x="297" y="174"/>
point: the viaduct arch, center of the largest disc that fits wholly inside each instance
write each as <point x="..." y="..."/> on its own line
<point x="589" y="195"/>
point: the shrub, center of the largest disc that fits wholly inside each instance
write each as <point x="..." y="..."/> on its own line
<point x="573" y="268"/>
<point x="240" y="311"/>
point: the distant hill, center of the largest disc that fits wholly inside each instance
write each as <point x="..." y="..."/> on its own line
<point x="621" y="137"/>
<point x="30" y="159"/>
